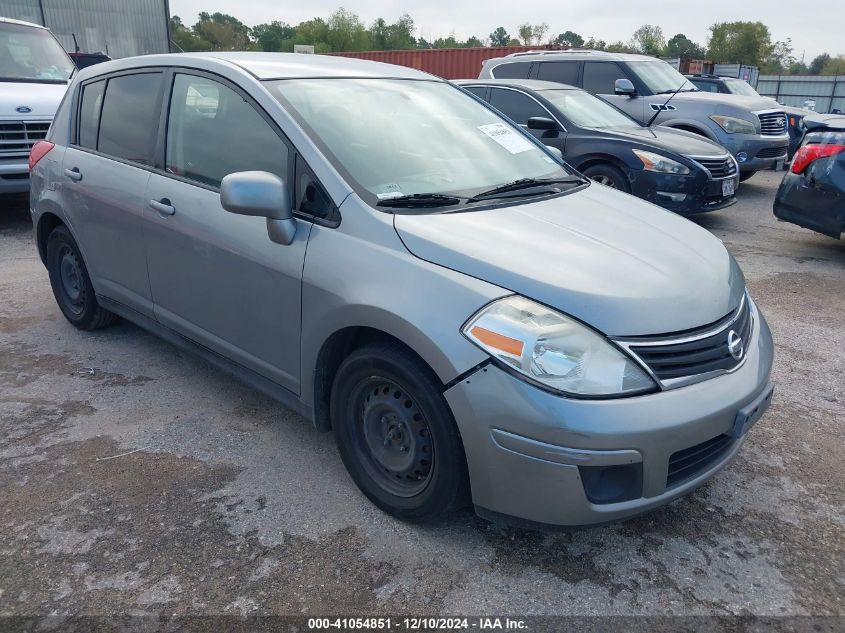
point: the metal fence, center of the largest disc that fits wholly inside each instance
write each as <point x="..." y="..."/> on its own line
<point x="119" y="28"/>
<point x="827" y="92"/>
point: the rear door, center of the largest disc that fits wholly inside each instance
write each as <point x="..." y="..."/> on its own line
<point x="105" y="174"/>
<point x="216" y="277"/>
<point x="599" y="78"/>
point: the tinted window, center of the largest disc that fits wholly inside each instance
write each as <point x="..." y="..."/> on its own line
<point x="130" y="114"/>
<point x="561" y="72"/>
<point x="478" y="91"/>
<point x="311" y="198"/>
<point x="600" y="77"/>
<point x="518" y="106"/>
<point x="213" y="132"/>
<point x="706" y="86"/>
<point x="89" y="113"/>
<point x="512" y="71"/>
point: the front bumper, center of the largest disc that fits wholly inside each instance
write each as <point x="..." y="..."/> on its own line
<point x="700" y="192"/>
<point x="14" y="175"/>
<point x="760" y="152"/>
<point x="530" y="452"/>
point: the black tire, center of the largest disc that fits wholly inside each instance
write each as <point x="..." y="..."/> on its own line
<point x="609" y="176"/>
<point x="745" y="175"/>
<point x="383" y="399"/>
<point x="71" y="285"/>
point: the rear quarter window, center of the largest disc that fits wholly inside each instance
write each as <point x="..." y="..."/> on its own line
<point x="89" y="113"/>
<point x="513" y="70"/>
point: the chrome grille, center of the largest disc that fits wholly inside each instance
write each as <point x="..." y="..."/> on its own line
<point x="696" y="354"/>
<point x="720" y="167"/>
<point x="18" y="137"/>
<point x="772" y="123"/>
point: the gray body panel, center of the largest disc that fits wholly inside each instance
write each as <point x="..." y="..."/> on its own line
<point x="214" y="282"/>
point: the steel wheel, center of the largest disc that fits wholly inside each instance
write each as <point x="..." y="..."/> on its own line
<point x="393" y="437"/>
<point x="70" y="276"/>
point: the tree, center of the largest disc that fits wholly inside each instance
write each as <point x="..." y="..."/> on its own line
<point x="446" y="42"/>
<point x="834" y="66"/>
<point x="797" y="68"/>
<point x="818" y="63"/>
<point x="346" y="32"/>
<point x="593" y="43"/>
<point x="313" y="32"/>
<point x="682" y="46"/>
<point x="184" y="39"/>
<point x="473" y="42"/>
<point x="780" y="58"/>
<point x="223" y="32"/>
<point x="274" y="37"/>
<point x="532" y="33"/>
<point x="740" y="43"/>
<point x="619" y="47"/>
<point x="393" y="37"/>
<point x="499" y="37"/>
<point x="569" y="38"/>
<point x="649" y="40"/>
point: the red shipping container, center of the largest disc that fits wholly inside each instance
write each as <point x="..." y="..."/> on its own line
<point x="449" y="63"/>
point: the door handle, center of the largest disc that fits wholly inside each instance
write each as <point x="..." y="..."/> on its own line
<point x="74" y="174"/>
<point x="163" y="206"/>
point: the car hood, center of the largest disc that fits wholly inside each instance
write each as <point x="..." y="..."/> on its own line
<point x="42" y="99"/>
<point x="667" y="139"/>
<point x="728" y="101"/>
<point x="626" y="267"/>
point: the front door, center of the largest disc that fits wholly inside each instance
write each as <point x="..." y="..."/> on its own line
<point x="216" y="277"/>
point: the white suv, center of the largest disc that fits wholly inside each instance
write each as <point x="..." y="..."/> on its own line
<point x="34" y="74"/>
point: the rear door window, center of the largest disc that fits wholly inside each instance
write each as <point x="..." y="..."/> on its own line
<point x="130" y="116"/>
<point x="518" y="70"/>
<point x="212" y="131"/>
<point x="89" y="113"/>
<point x="517" y="105"/>
<point x="561" y="72"/>
<point x="600" y="77"/>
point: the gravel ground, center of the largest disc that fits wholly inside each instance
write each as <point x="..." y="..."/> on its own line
<point x="136" y="479"/>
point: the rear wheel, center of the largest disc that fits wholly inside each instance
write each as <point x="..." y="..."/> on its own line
<point x="609" y="176"/>
<point x="396" y="434"/>
<point x="71" y="285"/>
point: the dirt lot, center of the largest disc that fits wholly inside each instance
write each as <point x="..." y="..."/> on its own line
<point x="136" y="479"/>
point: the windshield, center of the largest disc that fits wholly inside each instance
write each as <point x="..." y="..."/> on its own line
<point x="396" y="137"/>
<point x="660" y="77"/>
<point x="740" y="87"/>
<point x="585" y="110"/>
<point x="32" y="54"/>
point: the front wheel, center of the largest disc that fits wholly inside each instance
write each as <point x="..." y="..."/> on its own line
<point x="396" y="434"/>
<point x="609" y="176"/>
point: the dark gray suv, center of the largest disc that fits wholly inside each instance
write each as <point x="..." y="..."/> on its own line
<point x="753" y="129"/>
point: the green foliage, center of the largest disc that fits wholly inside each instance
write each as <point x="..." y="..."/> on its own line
<point x="682" y="46"/>
<point x="473" y="42"/>
<point x="569" y="38"/>
<point x="818" y="63"/>
<point x="618" y="47"/>
<point x="648" y="40"/>
<point x="532" y="33"/>
<point x="780" y="59"/>
<point x="396" y="36"/>
<point x="834" y="66"/>
<point x="740" y="43"/>
<point x="274" y="37"/>
<point x="499" y="37"/>
<point x="223" y="32"/>
<point x="593" y="43"/>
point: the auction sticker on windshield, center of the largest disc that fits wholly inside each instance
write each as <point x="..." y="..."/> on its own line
<point x="506" y="137"/>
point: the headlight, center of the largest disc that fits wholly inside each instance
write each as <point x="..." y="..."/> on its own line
<point x="658" y="163"/>
<point x="733" y="125"/>
<point x="554" y="350"/>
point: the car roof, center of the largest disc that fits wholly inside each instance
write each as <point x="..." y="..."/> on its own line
<point x="575" y="54"/>
<point x="265" y="66"/>
<point x="536" y="85"/>
<point x="21" y="23"/>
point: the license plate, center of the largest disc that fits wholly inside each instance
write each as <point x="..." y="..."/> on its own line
<point x="750" y="413"/>
<point x="779" y="165"/>
<point x="728" y="188"/>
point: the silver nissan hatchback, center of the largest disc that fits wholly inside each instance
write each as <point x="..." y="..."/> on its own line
<point x="375" y="248"/>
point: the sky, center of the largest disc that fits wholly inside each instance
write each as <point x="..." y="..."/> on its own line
<point x="609" y="20"/>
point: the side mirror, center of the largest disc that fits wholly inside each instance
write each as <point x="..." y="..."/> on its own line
<point x="264" y="195"/>
<point x="542" y="123"/>
<point x="624" y="88"/>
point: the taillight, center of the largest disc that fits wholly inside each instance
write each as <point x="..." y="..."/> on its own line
<point x="39" y="151"/>
<point x="806" y="154"/>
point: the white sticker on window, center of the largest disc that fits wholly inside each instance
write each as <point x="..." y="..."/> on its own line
<point x="388" y="195"/>
<point x="513" y="142"/>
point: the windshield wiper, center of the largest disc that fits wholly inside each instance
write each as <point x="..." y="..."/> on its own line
<point x="527" y="183"/>
<point x="420" y="200"/>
